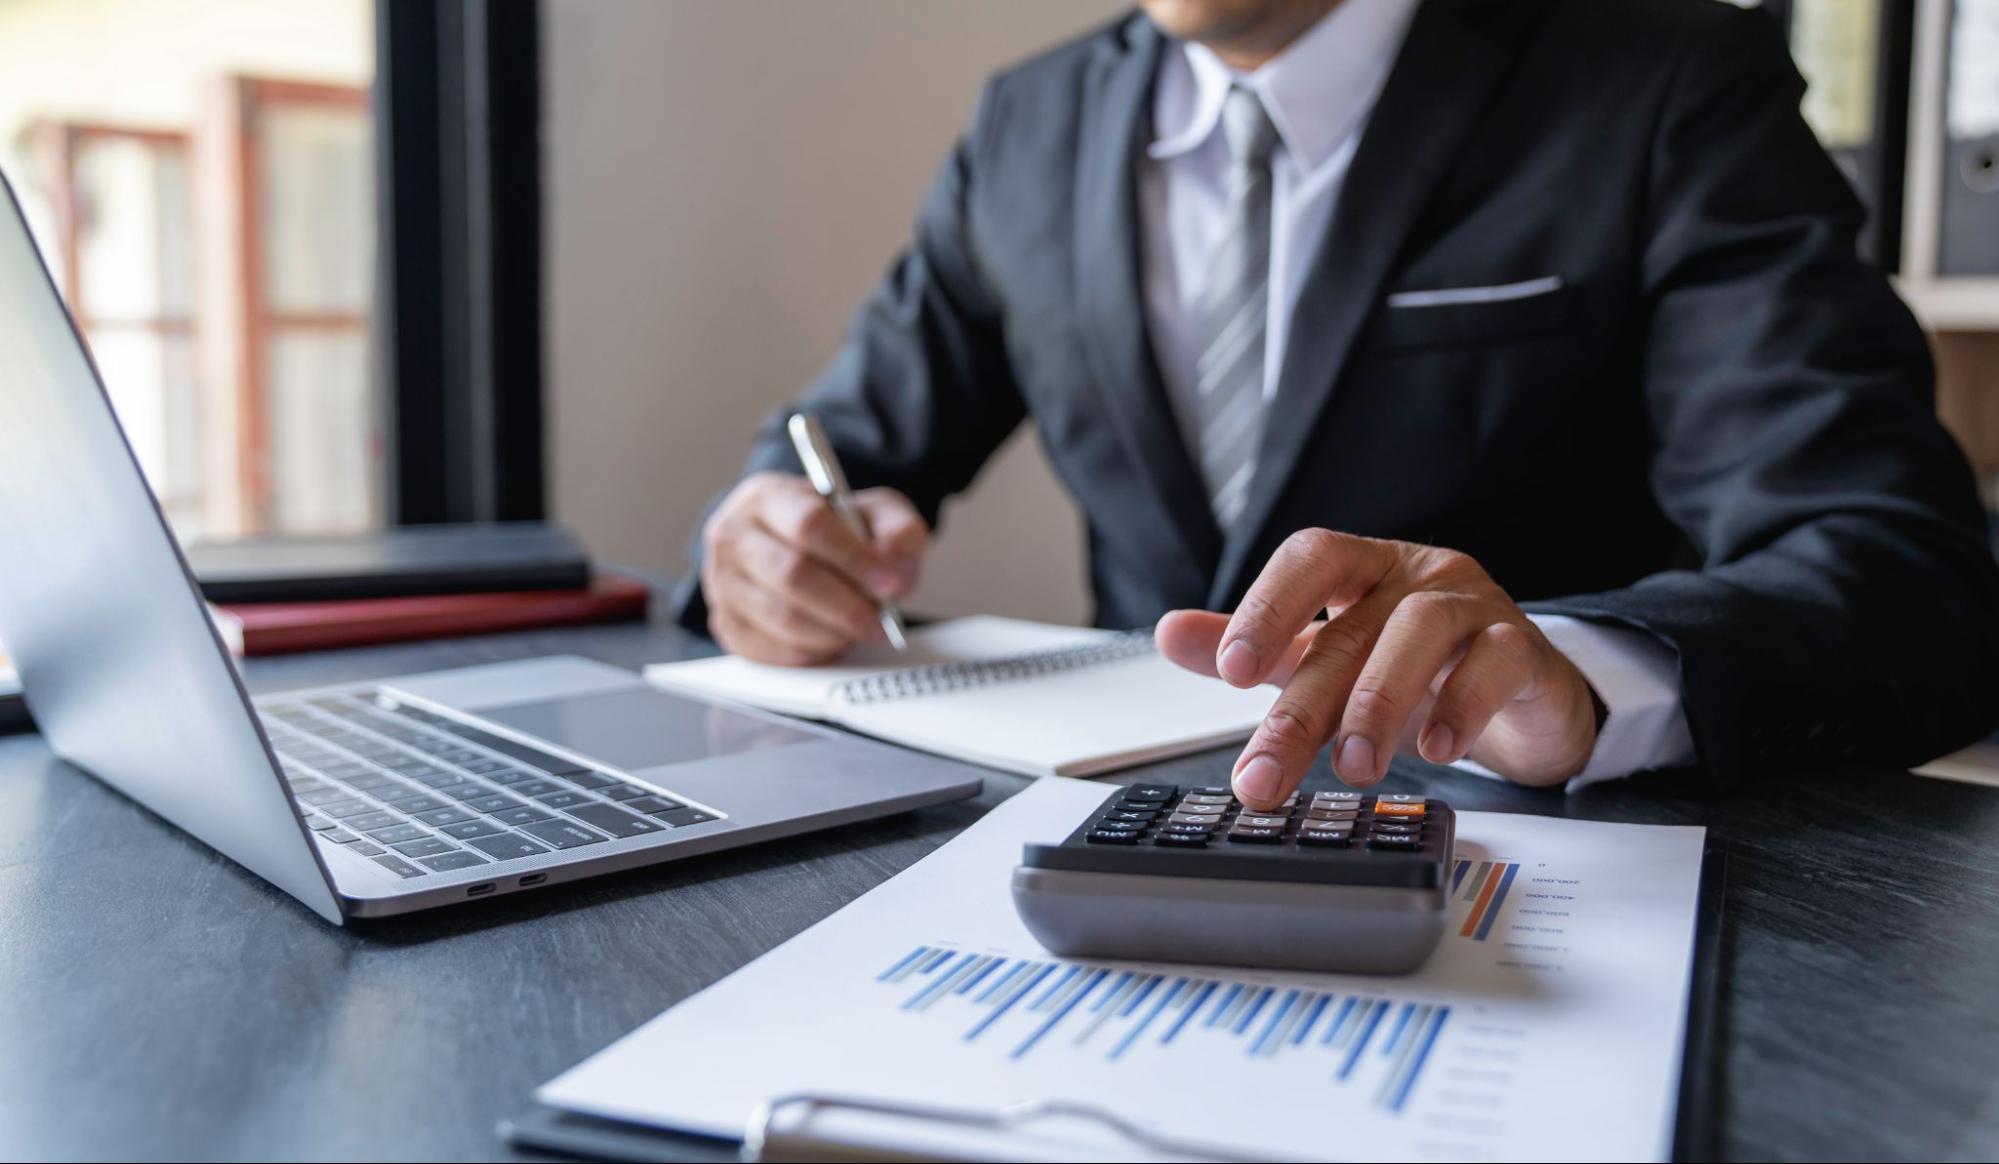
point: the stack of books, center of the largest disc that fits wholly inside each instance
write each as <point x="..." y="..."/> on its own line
<point x="284" y="595"/>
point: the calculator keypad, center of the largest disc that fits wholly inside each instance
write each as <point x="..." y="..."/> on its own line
<point x="1164" y="816"/>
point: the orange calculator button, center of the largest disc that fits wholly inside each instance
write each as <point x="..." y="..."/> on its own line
<point x="1387" y="808"/>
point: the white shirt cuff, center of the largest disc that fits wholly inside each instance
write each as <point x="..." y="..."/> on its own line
<point x="1638" y="678"/>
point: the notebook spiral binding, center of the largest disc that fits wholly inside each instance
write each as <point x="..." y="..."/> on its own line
<point x="938" y="678"/>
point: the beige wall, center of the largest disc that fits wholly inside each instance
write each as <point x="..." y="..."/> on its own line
<point x="725" y="180"/>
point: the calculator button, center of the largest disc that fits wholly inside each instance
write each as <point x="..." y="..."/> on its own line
<point x="1255" y="835"/>
<point x="1400" y="798"/>
<point x="1413" y="811"/>
<point x="1346" y="814"/>
<point x="1396" y="828"/>
<point x="1325" y="840"/>
<point x="1119" y="826"/>
<point x="1218" y="801"/>
<point x="1209" y="791"/>
<point x="1264" y="822"/>
<point x="1130" y="815"/>
<point x="1152" y="792"/>
<point x="1180" y="830"/>
<point x="1195" y="818"/>
<point x="1111" y="837"/>
<point x="1353" y="796"/>
<point x="1181" y="840"/>
<point x="1394" y="841"/>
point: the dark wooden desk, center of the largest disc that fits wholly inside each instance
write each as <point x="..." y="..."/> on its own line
<point x="158" y="1002"/>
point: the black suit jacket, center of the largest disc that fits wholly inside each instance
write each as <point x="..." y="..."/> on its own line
<point x="1718" y="430"/>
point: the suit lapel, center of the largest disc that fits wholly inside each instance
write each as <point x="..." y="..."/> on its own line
<point x="1115" y="125"/>
<point x="1447" y="68"/>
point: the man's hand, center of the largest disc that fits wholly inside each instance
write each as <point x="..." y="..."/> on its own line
<point x="1420" y="645"/>
<point x="787" y="581"/>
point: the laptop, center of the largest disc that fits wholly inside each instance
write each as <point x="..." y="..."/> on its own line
<point x="366" y="799"/>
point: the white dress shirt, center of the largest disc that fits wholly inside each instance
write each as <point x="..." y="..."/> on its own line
<point x="1319" y="93"/>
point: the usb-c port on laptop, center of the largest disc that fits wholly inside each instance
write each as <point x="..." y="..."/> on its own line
<point x="533" y="879"/>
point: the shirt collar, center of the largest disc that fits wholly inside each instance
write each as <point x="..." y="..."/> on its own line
<point x="1316" y="91"/>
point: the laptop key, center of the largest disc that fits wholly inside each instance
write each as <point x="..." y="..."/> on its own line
<point x="506" y="846"/>
<point x="371" y="821"/>
<point x="398" y="866"/>
<point x="623" y="792"/>
<point x="521" y="816"/>
<point x="414" y="803"/>
<point x="457" y="859"/>
<point x="318" y="823"/>
<point x="439" y="817"/>
<point x="342" y="809"/>
<point x="493" y="803"/>
<point x="510" y="776"/>
<point x="652" y="804"/>
<point x="616" y="821"/>
<point x="683" y="816"/>
<point x="365" y="849"/>
<point x="471" y="828"/>
<point x="534" y="787"/>
<point x="396" y="834"/>
<point x="565" y="799"/>
<point x="562" y="834"/>
<point x="321" y="795"/>
<point x="427" y="847"/>
<point x="338" y="836"/>
<point x="367" y="781"/>
<point x="591" y="780"/>
<point x="465" y="792"/>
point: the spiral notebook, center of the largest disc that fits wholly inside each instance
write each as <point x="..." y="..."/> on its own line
<point x="1023" y="696"/>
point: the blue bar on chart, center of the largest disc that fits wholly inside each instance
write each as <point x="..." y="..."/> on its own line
<point x="1110" y="1012"/>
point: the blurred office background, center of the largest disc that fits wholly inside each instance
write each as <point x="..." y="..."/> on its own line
<point x="463" y="259"/>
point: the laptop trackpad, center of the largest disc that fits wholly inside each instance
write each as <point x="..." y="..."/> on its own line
<point x="637" y="728"/>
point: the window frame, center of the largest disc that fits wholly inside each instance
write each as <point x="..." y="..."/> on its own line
<point x="458" y="309"/>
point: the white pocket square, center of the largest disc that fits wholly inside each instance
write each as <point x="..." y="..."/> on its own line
<point x="1526" y="289"/>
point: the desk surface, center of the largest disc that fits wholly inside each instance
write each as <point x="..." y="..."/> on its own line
<point x="158" y="1002"/>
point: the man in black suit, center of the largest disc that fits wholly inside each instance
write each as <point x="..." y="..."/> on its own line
<point x="1524" y="338"/>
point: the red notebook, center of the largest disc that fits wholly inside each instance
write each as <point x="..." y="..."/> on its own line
<point x="280" y="628"/>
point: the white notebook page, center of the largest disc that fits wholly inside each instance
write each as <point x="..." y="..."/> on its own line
<point x="1092" y="719"/>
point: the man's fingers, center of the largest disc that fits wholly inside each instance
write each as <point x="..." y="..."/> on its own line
<point x="776" y="616"/>
<point x="900" y="539"/>
<point x="1427" y="629"/>
<point x="743" y="638"/>
<point x="826" y="595"/>
<point x="1311" y="704"/>
<point x="1497" y="668"/>
<point x="1192" y="637"/>
<point x="1312" y="570"/>
<point x="794" y="513"/>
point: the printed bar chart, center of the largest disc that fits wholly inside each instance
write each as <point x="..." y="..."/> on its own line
<point x="1026" y="1006"/>
<point x="1485" y="888"/>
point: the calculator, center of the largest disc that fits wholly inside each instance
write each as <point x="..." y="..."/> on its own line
<point x="1341" y="881"/>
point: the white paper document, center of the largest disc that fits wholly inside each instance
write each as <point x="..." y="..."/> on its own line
<point x="1548" y="1025"/>
<point x="1022" y="696"/>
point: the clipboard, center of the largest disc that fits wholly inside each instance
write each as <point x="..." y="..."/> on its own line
<point x="776" y="1133"/>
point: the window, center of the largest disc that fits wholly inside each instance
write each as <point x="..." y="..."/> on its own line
<point x="302" y="238"/>
<point x="200" y="175"/>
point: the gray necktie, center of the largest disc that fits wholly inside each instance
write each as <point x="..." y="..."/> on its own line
<point x="1232" y="311"/>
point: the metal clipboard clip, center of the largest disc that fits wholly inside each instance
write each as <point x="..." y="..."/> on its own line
<point x="778" y="1130"/>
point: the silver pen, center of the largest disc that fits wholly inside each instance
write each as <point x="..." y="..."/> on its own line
<point x="822" y="468"/>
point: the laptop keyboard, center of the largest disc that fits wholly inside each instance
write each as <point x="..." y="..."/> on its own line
<point x="420" y="793"/>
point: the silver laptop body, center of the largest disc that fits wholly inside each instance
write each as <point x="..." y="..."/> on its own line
<point x="364" y="799"/>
